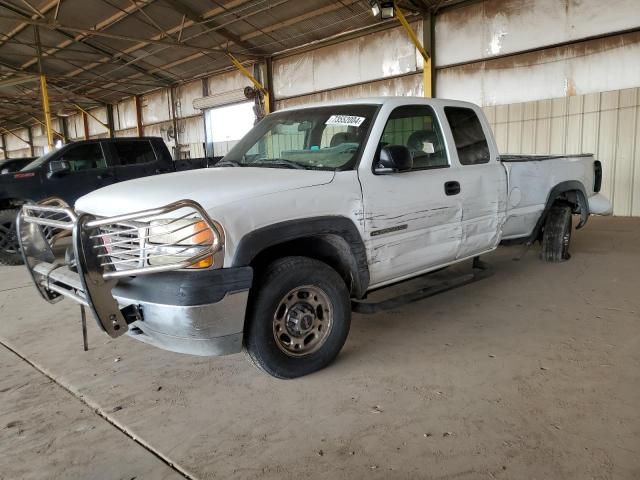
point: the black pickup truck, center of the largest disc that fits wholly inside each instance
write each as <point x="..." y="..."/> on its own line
<point x="11" y="165"/>
<point x="77" y="169"/>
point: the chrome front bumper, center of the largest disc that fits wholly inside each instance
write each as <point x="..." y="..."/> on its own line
<point x="199" y="312"/>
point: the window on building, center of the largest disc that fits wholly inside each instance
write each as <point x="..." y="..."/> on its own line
<point x="226" y="125"/>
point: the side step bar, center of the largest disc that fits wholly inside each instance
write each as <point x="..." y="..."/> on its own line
<point x="481" y="271"/>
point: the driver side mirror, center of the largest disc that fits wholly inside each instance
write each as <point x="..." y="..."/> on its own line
<point x="392" y="159"/>
<point x="58" y="167"/>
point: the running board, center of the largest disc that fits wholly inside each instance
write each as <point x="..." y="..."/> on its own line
<point x="481" y="270"/>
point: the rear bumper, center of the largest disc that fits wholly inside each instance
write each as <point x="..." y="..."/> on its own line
<point x="199" y="312"/>
<point x="600" y="205"/>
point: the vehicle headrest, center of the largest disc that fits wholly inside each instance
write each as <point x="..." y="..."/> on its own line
<point x="342" y="137"/>
<point x="417" y="138"/>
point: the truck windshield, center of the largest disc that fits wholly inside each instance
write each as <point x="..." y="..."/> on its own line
<point x="320" y="138"/>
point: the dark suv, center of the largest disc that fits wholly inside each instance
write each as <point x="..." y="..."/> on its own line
<point x="75" y="170"/>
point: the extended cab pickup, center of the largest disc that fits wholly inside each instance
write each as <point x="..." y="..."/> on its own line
<point x="76" y="169"/>
<point x="311" y="210"/>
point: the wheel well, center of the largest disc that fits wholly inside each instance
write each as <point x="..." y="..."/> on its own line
<point x="329" y="248"/>
<point x="573" y="198"/>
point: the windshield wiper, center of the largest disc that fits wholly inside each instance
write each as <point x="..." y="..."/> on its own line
<point x="228" y="163"/>
<point x="278" y="163"/>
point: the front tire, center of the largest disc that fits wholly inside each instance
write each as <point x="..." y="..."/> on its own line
<point x="299" y="317"/>
<point x="556" y="236"/>
<point x="9" y="246"/>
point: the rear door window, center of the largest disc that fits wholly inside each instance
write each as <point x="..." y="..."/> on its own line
<point x="87" y="156"/>
<point x="134" y="152"/>
<point x="471" y="142"/>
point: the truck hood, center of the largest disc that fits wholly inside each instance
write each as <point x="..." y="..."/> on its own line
<point x="210" y="187"/>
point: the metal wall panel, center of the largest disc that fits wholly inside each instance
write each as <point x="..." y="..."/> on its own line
<point x="96" y="129"/>
<point x="367" y="58"/>
<point x="410" y="85"/>
<point x="13" y="144"/>
<point x="598" y="65"/>
<point x="156" y="107"/>
<point x="227" y="82"/>
<point x="185" y="95"/>
<point x="124" y="114"/>
<point x="128" y="132"/>
<point x="75" y="127"/>
<point x="489" y="28"/>
<point x="606" y="124"/>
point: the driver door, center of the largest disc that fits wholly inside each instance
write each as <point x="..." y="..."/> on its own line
<point x="412" y="218"/>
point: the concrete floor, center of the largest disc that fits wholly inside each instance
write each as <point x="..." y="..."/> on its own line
<point x="532" y="373"/>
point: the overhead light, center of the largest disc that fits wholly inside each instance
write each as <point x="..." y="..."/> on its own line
<point x="382" y="9"/>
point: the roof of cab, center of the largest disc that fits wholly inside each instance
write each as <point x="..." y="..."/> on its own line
<point x="389" y="100"/>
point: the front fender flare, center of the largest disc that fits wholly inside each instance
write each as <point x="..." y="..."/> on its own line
<point x="255" y="242"/>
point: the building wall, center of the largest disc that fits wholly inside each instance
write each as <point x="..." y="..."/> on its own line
<point x="554" y="76"/>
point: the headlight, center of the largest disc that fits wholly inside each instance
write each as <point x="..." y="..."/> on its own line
<point x="172" y="241"/>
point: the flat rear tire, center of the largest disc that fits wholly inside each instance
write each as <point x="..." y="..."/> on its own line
<point x="556" y="235"/>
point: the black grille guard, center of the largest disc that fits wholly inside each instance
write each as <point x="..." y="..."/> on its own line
<point x="88" y="279"/>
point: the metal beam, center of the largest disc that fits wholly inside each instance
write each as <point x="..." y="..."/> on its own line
<point x="139" y="126"/>
<point x="98" y="33"/>
<point x="85" y="125"/>
<point x="110" y="119"/>
<point x="46" y="108"/>
<point x="426" y="70"/>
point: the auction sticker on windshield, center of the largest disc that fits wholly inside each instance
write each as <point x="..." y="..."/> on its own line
<point x="348" y="120"/>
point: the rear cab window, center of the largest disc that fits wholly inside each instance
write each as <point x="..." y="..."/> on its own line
<point x="134" y="152"/>
<point x="468" y="135"/>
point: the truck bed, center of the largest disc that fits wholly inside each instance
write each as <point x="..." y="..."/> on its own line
<point x="530" y="178"/>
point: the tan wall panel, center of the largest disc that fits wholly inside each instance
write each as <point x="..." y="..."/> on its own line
<point x="410" y="85"/>
<point x="606" y="124"/>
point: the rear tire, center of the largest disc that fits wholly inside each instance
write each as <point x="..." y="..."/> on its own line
<point x="556" y="236"/>
<point x="9" y="246"/>
<point x="299" y="317"/>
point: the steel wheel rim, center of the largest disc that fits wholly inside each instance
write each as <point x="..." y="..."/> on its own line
<point x="8" y="237"/>
<point x="302" y="321"/>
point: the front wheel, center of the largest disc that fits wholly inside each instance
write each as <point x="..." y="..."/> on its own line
<point x="556" y="235"/>
<point x="9" y="246"/>
<point x="299" y="317"/>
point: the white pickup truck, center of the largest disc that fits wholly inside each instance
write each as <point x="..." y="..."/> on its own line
<point x="315" y="207"/>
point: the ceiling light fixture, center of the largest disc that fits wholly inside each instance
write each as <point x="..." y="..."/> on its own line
<point x="382" y="9"/>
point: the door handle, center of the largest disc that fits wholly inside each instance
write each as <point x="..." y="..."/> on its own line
<point x="451" y="188"/>
<point x="106" y="175"/>
<point x="162" y="170"/>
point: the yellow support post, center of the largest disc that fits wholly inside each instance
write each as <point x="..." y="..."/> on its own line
<point x="426" y="72"/>
<point x="254" y="80"/>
